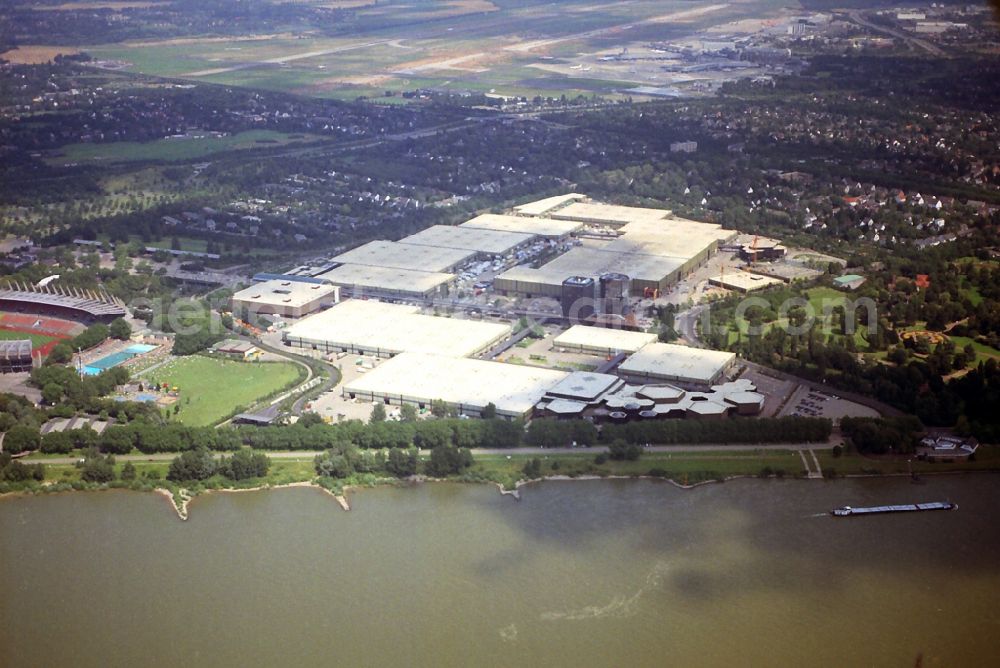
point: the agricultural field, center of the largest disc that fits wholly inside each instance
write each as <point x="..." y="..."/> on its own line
<point x="173" y="149"/>
<point x="212" y="389"/>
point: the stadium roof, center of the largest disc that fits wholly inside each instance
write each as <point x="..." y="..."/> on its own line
<point x="284" y="292"/>
<point x="673" y="362"/>
<point x="471" y="383"/>
<point x="395" y="328"/>
<point x="406" y="256"/>
<point x="493" y="242"/>
<point x="387" y="279"/>
<point x="543" y="227"/>
<point x="19" y="349"/>
<point x="603" y="339"/>
<point x="542" y="206"/>
<point x="87" y="301"/>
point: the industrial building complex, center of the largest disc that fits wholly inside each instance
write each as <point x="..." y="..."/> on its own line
<point x="666" y="362"/>
<point x="652" y="247"/>
<point x="466" y="385"/>
<point x="602" y="341"/>
<point x="383" y="330"/>
<point x="595" y="260"/>
<point x="292" y="299"/>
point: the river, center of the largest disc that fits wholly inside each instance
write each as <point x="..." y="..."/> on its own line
<point x="577" y="573"/>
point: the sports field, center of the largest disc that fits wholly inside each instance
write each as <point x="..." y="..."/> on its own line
<point x="211" y="389"/>
<point x="170" y="149"/>
<point x="37" y="340"/>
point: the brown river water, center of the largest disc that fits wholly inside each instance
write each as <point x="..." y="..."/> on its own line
<point x="577" y="573"/>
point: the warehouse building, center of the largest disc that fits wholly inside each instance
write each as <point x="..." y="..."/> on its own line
<point x="490" y="243"/>
<point x="466" y="385"/>
<point x="292" y="299"/>
<point x="743" y="281"/>
<point x="542" y="227"/>
<point x="398" y="255"/>
<point x="544" y="206"/>
<point x="654" y="248"/>
<point x="645" y="271"/>
<point x="602" y="341"/>
<point x="357" y="279"/>
<point x="367" y="327"/>
<point x="667" y="362"/>
<point x="611" y="215"/>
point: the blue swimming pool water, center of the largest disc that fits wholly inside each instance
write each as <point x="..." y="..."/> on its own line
<point x="114" y="359"/>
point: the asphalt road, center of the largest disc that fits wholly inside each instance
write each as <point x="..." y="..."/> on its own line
<point x="686" y="322"/>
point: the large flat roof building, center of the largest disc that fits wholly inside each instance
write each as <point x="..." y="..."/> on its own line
<point x="646" y="271"/>
<point x="742" y="281"/>
<point x="585" y="386"/>
<point x="549" y="228"/>
<point x="612" y="215"/>
<point x="487" y="242"/>
<point x="406" y="256"/>
<point x="288" y="298"/>
<point x="358" y="279"/>
<point x="601" y="340"/>
<point x="651" y="246"/>
<point x="466" y="385"/>
<point x="374" y="328"/>
<point x="543" y="206"/>
<point x="667" y="362"/>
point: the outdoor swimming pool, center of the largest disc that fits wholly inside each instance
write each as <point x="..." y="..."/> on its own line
<point x="114" y="359"/>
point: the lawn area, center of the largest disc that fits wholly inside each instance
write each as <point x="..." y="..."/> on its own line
<point x="211" y="389"/>
<point x="679" y="465"/>
<point x="186" y="244"/>
<point x="169" y="149"/>
<point x="983" y="351"/>
<point x="37" y="340"/>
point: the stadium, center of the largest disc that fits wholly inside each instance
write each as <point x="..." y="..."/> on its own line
<point x="85" y="306"/>
<point x="44" y="316"/>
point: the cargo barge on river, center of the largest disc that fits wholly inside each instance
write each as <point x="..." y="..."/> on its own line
<point x="900" y="508"/>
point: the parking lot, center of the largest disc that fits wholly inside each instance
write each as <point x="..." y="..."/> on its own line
<point x="812" y="403"/>
<point x="775" y="390"/>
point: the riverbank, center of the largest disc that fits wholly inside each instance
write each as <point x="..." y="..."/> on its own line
<point x="180" y="498"/>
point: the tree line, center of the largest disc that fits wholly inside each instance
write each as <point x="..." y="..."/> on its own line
<point x="151" y="437"/>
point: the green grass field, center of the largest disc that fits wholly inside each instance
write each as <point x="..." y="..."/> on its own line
<point x="175" y="149"/>
<point x="983" y="351"/>
<point x="211" y="389"/>
<point x="37" y="340"/>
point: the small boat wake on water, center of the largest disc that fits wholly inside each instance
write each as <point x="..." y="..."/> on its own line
<point x="846" y="511"/>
